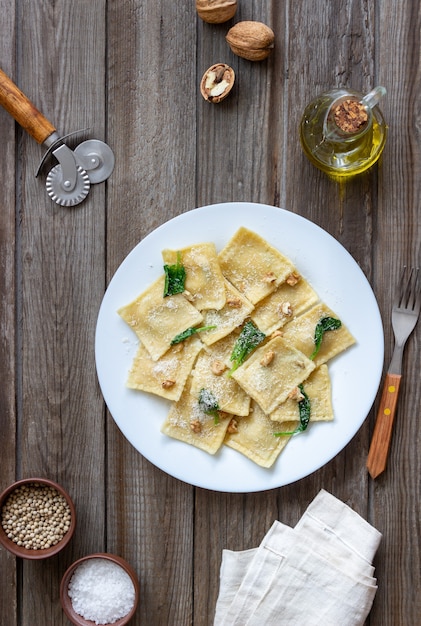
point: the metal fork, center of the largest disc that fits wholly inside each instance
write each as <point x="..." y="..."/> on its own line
<point x="405" y="314"/>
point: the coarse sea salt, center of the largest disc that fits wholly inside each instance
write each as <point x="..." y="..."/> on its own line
<point x="101" y="591"/>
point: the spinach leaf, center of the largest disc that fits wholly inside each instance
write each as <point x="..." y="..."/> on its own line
<point x="304" y="409"/>
<point x="325" y="324"/>
<point x="188" y="333"/>
<point x="209" y="404"/>
<point x="249" y="338"/>
<point x="175" y="277"/>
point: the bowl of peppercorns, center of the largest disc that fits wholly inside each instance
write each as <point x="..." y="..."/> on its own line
<point x="37" y="518"/>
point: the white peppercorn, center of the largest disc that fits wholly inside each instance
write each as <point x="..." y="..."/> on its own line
<point x="35" y="516"/>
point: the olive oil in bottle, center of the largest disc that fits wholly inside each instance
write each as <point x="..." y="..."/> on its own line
<point x="343" y="133"/>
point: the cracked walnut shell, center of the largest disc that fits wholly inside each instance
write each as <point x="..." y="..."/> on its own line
<point x="251" y="40"/>
<point x="217" y="82"/>
<point x="216" y="11"/>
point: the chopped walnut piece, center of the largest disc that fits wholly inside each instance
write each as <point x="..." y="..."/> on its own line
<point x="296" y="394"/>
<point x="167" y="384"/>
<point x="234" y="302"/>
<point x="285" y="309"/>
<point x="269" y="277"/>
<point x="232" y="426"/>
<point x="218" y="367"/>
<point x="267" y="358"/>
<point x="276" y="333"/>
<point x="189" y="296"/>
<point x="196" y="426"/>
<point x="292" y="279"/>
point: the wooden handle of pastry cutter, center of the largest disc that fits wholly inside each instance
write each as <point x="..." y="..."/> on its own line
<point x="22" y="109"/>
<point x="382" y="435"/>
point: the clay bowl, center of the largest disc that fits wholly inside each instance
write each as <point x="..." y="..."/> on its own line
<point x="66" y="601"/>
<point x="44" y="553"/>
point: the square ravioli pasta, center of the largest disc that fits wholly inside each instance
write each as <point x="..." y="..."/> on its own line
<point x="300" y="332"/>
<point x="290" y="299"/>
<point x="255" y="437"/>
<point x="318" y="390"/>
<point x="204" y="282"/>
<point x="167" y="376"/>
<point x="227" y="319"/>
<point x="157" y="320"/>
<point x="187" y="422"/>
<point x="210" y="373"/>
<point x="253" y="266"/>
<point x="272" y="371"/>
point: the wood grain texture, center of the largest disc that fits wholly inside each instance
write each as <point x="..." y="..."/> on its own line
<point x="130" y="72"/>
<point x="23" y="110"/>
<point x="9" y="586"/>
<point x="383" y="428"/>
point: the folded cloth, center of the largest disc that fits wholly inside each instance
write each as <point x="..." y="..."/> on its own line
<point x="320" y="572"/>
<point x="347" y="527"/>
<point x="259" y="576"/>
<point x="233" y="569"/>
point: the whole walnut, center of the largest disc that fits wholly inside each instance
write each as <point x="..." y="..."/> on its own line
<point x="251" y="40"/>
<point x="216" y="11"/>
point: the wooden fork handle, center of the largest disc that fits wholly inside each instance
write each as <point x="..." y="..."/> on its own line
<point x="382" y="435"/>
<point x="21" y="108"/>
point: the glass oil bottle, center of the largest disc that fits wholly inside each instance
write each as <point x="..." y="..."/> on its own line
<point x="342" y="132"/>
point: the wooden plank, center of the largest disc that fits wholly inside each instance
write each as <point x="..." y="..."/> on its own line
<point x="61" y="68"/>
<point x="240" y="158"/>
<point x="395" y="496"/>
<point x="130" y="72"/>
<point x="326" y="52"/>
<point x="239" y="145"/>
<point x="8" y="311"/>
<point x="152" y="125"/>
<point x="269" y="108"/>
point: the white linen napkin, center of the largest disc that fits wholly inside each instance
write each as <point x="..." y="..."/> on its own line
<point x="234" y="566"/>
<point x="320" y="572"/>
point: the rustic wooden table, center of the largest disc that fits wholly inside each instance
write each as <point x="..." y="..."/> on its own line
<point x="129" y="71"/>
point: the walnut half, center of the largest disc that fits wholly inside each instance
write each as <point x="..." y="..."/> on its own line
<point x="217" y="82"/>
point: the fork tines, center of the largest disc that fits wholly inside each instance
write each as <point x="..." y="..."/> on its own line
<point x="410" y="293"/>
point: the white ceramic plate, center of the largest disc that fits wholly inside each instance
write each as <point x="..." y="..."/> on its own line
<point x="355" y="374"/>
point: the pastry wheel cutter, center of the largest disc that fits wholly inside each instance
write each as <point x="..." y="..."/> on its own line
<point x="69" y="181"/>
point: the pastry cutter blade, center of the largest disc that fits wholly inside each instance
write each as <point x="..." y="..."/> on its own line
<point x="68" y="183"/>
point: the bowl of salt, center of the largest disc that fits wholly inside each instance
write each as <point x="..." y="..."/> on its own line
<point x="99" y="588"/>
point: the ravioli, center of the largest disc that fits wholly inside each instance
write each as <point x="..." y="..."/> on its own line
<point x="187" y="422"/>
<point x="255" y="437"/>
<point x="299" y="332"/>
<point x="227" y="319"/>
<point x="229" y="395"/>
<point x="318" y="389"/>
<point x="204" y="281"/>
<point x="157" y="320"/>
<point x="288" y="301"/>
<point x="167" y="376"/>
<point x="253" y="266"/>
<point x="248" y="281"/>
<point x="269" y="383"/>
